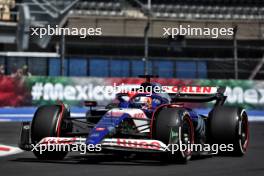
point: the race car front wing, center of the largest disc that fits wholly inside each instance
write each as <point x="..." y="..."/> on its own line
<point x="137" y="145"/>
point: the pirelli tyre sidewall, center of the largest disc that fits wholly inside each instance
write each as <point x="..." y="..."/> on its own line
<point x="44" y="124"/>
<point x="229" y="125"/>
<point x="174" y="126"/>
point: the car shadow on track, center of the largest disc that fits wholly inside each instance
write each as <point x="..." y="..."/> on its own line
<point x="107" y="160"/>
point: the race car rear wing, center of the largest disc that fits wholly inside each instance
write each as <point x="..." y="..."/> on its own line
<point x="196" y="94"/>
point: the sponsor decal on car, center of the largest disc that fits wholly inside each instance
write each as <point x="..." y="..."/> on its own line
<point x="190" y="89"/>
<point x="134" y="143"/>
<point x="134" y="113"/>
<point x="95" y="135"/>
<point x="139" y="115"/>
<point x="99" y="129"/>
<point x="60" y="140"/>
<point x="114" y="113"/>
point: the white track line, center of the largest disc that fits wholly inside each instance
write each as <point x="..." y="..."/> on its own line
<point x="31" y="115"/>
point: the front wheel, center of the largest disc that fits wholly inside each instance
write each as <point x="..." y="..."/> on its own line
<point x="174" y="128"/>
<point x="47" y="122"/>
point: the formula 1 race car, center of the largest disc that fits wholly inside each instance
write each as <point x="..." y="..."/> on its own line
<point x="143" y="122"/>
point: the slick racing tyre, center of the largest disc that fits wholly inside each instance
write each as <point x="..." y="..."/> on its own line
<point x="174" y="127"/>
<point x="45" y="124"/>
<point x="229" y="125"/>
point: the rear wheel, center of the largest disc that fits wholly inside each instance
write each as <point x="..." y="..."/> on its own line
<point x="229" y="125"/>
<point x="174" y="127"/>
<point x="48" y="122"/>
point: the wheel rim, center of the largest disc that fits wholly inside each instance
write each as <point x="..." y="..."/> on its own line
<point x="244" y="135"/>
<point x="187" y="135"/>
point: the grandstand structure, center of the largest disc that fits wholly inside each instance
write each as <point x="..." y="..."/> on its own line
<point x="121" y="49"/>
<point x="182" y="9"/>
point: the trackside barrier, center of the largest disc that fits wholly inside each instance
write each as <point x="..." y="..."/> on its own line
<point x="26" y="113"/>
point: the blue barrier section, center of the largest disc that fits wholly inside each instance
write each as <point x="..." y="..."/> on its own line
<point x="26" y="113"/>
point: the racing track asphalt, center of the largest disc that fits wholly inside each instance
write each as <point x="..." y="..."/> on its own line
<point x="25" y="164"/>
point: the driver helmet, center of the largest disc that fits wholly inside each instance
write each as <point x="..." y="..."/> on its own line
<point x="144" y="101"/>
